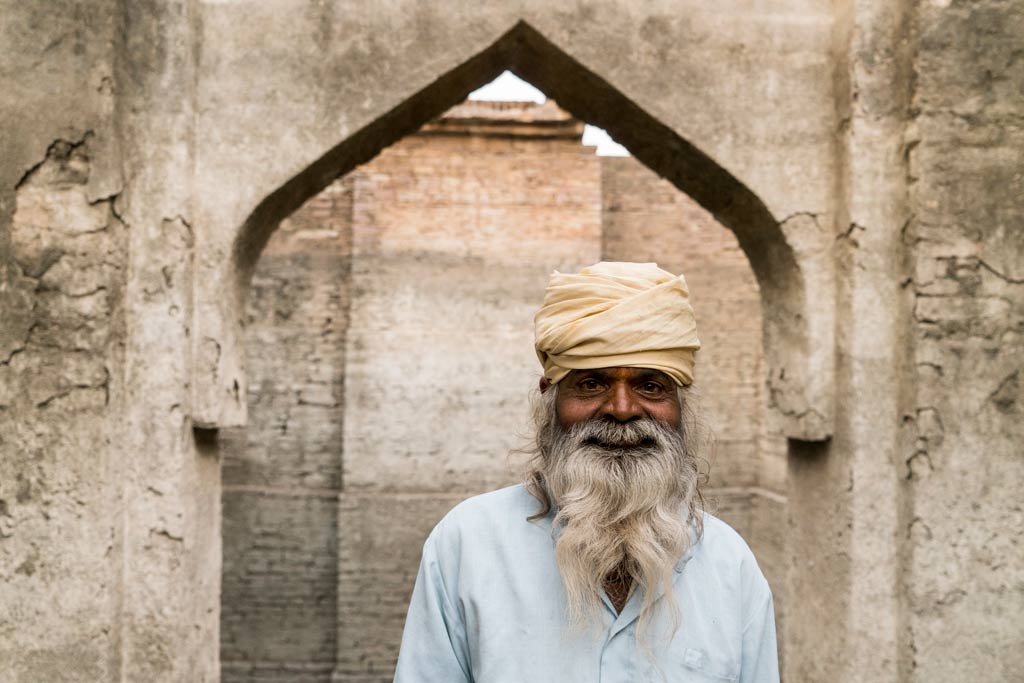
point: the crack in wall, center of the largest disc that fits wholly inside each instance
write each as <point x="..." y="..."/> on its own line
<point x="60" y="148"/>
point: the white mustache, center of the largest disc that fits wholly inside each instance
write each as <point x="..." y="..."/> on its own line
<point x="613" y="435"/>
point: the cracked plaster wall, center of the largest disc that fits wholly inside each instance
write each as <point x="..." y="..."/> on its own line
<point x="963" y="461"/>
<point x="60" y="382"/>
<point x="63" y="257"/>
<point x="111" y="567"/>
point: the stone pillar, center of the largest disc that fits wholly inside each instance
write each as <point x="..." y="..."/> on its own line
<point x="847" y="516"/>
<point x="170" y="473"/>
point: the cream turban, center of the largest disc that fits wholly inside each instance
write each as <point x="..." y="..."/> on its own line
<point x="617" y="315"/>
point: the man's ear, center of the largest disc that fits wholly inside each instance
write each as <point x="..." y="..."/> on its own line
<point x="544" y="384"/>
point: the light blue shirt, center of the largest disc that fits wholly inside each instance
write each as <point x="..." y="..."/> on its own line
<point x="489" y="607"/>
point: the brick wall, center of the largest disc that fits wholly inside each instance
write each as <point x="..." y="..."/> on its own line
<point x="282" y="474"/>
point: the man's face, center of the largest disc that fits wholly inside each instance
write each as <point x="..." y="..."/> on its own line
<point x="613" y="458"/>
<point x="619" y="394"/>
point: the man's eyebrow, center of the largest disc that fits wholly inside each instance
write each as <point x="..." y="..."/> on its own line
<point x="651" y="373"/>
<point x="593" y="373"/>
<point x="643" y="375"/>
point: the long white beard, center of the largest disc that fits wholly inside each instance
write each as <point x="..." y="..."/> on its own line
<point x="626" y="495"/>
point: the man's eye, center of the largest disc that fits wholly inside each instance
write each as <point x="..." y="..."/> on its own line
<point x="589" y="385"/>
<point x="651" y="388"/>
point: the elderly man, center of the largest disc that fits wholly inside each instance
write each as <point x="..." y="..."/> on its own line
<point x="602" y="566"/>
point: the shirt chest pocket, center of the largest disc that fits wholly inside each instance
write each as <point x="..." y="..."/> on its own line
<point x="698" y="664"/>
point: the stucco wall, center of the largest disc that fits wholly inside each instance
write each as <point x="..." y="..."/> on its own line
<point x="58" y="397"/>
<point x="965" y="533"/>
<point x="62" y="283"/>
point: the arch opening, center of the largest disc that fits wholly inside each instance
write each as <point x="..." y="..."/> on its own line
<point x="581" y="92"/>
<point x="798" y="370"/>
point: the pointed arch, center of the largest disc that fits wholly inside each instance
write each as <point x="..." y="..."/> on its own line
<point x="584" y="94"/>
<point x="799" y="367"/>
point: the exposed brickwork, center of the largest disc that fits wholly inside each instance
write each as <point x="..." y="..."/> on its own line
<point x="280" y="585"/>
<point x="297" y="321"/>
<point x="282" y="474"/>
<point x="453" y="240"/>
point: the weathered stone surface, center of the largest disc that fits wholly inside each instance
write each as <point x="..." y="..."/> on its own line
<point x="965" y="528"/>
<point x="59" y="371"/>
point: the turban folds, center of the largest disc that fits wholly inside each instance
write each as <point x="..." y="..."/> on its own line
<point x="617" y="315"/>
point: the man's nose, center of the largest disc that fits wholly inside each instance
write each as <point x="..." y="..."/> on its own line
<point x="622" y="405"/>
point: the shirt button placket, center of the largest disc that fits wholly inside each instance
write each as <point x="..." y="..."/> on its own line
<point x="603" y="669"/>
<point x="615" y="666"/>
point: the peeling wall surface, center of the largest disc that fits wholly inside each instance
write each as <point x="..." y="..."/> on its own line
<point x="58" y="377"/>
<point x="866" y="153"/>
<point x="964" y="468"/>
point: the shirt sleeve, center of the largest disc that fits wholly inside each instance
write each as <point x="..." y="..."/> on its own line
<point x="434" y="646"/>
<point x="760" y="663"/>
